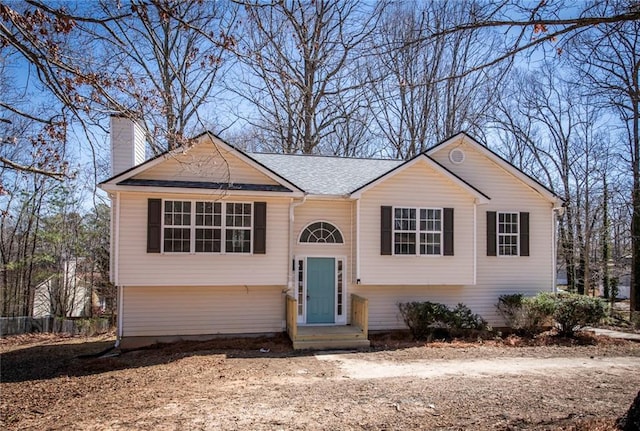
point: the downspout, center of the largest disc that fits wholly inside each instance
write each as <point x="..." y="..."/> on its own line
<point x="120" y="308"/>
<point x="116" y="273"/>
<point x="292" y="205"/>
<point x="358" y="241"/>
<point x="475" y="241"/>
<point x="555" y="213"/>
<point x="116" y="240"/>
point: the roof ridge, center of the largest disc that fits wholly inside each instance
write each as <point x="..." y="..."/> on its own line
<point x="325" y="156"/>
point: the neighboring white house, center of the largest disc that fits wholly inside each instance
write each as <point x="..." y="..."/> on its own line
<point x="208" y="239"/>
<point x="65" y="294"/>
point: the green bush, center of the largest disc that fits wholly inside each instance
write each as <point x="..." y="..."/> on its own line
<point x="462" y="319"/>
<point x="538" y="312"/>
<point x="423" y="318"/>
<point x="532" y="315"/>
<point x="427" y="320"/>
<point x="574" y="312"/>
<point x="527" y="315"/>
<point x="510" y="308"/>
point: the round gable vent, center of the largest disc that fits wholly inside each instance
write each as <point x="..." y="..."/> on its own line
<point x="456" y="156"/>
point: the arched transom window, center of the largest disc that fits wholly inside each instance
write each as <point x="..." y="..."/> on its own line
<point x="322" y="232"/>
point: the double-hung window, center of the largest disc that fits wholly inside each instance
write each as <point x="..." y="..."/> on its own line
<point x="508" y="234"/>
<point x="208" y="227"/>
<point x="200" y="226"/>
<point x="238" y="228"/>
<point x="177" y="226"/>
<point x="417" y="231"/>
<point x="430" y="231"/>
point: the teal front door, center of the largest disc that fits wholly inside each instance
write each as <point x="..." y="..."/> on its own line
<point x="321" y="289"/>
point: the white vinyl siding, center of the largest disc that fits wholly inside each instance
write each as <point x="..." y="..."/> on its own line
<point x="384" y="300"/>
<point x="128" y="144"/>
<point x="529" y="274"/>
<point x="137" y="267"/>
<point x="206" y="162"/>
<point x="418" y="186"/>
<point x="201" y="310"/>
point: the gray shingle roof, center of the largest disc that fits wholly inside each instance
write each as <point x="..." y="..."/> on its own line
<point x="323" y="175"/>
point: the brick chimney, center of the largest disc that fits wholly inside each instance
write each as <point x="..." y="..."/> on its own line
<point x="127" y="144"/>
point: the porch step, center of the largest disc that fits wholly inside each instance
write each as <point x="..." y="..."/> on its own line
<point x="330" y="337"/>
<point x="330" y="344"/>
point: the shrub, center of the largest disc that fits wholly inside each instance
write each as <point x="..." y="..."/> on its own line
<point x="528" y="315"/>
<point x="510" y="308"/>
<point x="574" y="312"/>
<point x="462" y="320"/>
<point x="427" y="320"/>
<point x="538" y="312"/>
<point x="423" y="318"/>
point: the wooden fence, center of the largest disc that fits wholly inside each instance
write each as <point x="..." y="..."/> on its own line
<point x="25" y="325"/>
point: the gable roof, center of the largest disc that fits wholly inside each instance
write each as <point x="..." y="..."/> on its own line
<point x="326" y="175"/>
<point x="322" y="175"/>
<point x="126" y="178"/>
<point x="527" y="179"/>
<point x="433" y="164"/>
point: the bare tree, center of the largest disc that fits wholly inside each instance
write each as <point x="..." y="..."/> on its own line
<point x="299" y="57"/>
<point x="162" y="61"/>
<point x="605" y="34"/>
<point x="609" y="60"/>
<point x="414" y="99"/>
<point x="555" y="133"/>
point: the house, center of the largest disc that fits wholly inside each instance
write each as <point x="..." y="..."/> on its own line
<point x="67" y="294"/>
<point x="208" y="239"/>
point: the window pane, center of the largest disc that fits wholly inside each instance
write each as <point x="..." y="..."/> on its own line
<point x="177" y="240"/>
<point x="238" y="241"/>
<point x="207" y="240"/>
<point x="405" y="243"/>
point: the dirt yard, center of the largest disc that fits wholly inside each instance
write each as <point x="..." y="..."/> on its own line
<point x="232" y="384"/>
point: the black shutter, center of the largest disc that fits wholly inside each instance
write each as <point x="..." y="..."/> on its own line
<point x="524" y="234"/>
<point x="448" y="231"/>
<point x="259" y="227"/>
<point x="386" y="231"/>
<point x="491" y="233"/>
<point x="154" y="225"/>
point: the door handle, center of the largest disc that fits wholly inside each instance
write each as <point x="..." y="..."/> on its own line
<point x="308" y="297"/>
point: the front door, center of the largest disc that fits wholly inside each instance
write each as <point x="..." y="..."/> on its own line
<point x="321" y="289"/>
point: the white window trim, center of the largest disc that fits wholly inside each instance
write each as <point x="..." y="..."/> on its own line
<point x="323" y="244"/>
<point x="498" y="234"/>
<point x="417" y="231"/>
<point x="193" y="227"/>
